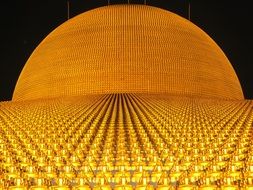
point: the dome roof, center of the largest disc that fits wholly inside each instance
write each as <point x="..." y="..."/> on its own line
<point x="127" y="49"/>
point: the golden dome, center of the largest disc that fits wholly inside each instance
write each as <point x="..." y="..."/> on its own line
<point x="128" y="49"/>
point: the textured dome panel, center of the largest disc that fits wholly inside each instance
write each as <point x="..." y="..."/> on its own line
<point x="127" y="49"/>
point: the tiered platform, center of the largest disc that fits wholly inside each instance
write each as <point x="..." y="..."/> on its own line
<point x="126" y="141"/>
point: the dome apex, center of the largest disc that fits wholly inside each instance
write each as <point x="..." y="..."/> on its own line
<point x="127" y="49"/>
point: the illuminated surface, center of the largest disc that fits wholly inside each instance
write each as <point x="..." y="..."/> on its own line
<point x="128" y="49"/>
<point x="115" y="139"/>
<point x="127" y="97"/>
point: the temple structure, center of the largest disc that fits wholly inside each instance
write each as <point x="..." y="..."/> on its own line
<point x="127" y="97"/>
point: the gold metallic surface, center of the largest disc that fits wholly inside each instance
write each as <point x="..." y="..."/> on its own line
<point x="128" y="49"/>
<point x="127" y="97"/>
<point x="126" y="141"/>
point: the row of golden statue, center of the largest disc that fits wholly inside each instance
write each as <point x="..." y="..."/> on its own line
<point x="126" y="142"/>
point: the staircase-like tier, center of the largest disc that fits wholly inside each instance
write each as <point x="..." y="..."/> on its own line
<point x="126" y="141"/>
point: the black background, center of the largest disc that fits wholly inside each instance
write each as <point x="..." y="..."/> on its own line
<point x="24" y="23"/>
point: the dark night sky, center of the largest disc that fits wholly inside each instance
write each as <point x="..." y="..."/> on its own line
<point x="24" y="23"/>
